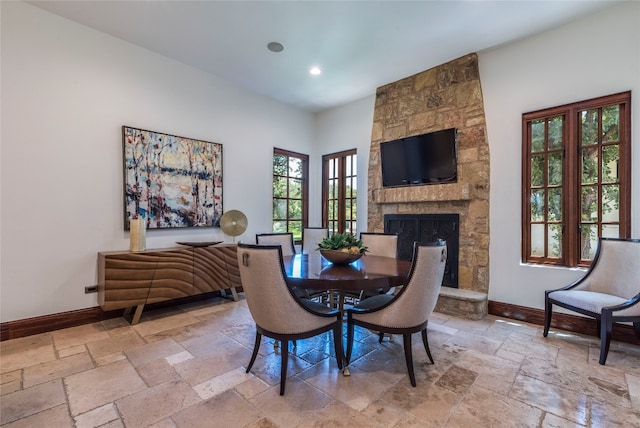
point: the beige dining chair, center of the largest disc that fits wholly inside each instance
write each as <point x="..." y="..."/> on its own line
<point x="311" y="237"/>
<point x="407" y="312"/>
<point x="380" y="244"/>
<point x="283" y="239"/>
<point x="278" y="313"/>
<point x="608" y="292"/>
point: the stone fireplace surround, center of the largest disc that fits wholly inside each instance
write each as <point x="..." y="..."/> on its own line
<point x="447" y="96"/>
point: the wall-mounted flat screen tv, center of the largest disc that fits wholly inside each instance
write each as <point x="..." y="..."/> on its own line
<point x="422" y="159"/>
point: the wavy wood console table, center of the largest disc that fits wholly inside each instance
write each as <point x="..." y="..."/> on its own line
<point x="129" y="280"/>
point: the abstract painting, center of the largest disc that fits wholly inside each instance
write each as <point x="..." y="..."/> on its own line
<point x="172" y="181"/>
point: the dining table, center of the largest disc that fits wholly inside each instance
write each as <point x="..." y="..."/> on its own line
<point x="313" y="272"/>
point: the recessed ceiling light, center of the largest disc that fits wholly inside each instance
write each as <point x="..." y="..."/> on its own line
<point x="315" y="71"/>
<point x="275" y="47"/>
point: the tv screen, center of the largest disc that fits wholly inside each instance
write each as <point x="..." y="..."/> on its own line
<point x="422" y="159"/>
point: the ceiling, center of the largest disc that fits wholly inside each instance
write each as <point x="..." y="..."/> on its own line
<point x="360" y="45"/>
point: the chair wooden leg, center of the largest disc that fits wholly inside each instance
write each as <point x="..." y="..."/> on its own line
<point x="636" y="328"/>
<point x="380" y="336"/>
<point x="425" y="341"/>
<point x="408" y="356"/>
<point x="547" y="317"/>
<point x="606" y="325"/>
<point x="284" y="358"/>
<point x="349" y="342"/>
<point x="256" y="347"/>
<point x="337" y="345"/>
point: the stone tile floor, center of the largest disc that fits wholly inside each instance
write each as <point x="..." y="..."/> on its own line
<point x="185" y="367"/>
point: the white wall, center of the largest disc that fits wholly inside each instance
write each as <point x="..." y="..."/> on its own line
<point x="598" y="55"/>
<point x="345" y="128"/>
<point x="66" y="92"/>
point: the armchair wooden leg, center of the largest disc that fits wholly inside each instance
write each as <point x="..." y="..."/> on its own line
<point x="425" y="341"/>
<point x="349" y="342"/>
<point x="256" y="347"/>
<point x="636" y="328"/>
<point x="337" y="344"/>
<point x="547" y="316"/>
<point x="408" y="356"/>
<point x="284" y="358"/>
<point x="606" y="325"/>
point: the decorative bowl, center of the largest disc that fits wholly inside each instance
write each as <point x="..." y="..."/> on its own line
<point x="338" y="257"/>
<point x="200" y="243"/>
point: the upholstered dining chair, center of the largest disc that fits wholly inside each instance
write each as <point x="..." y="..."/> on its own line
<point x="608" y="292"/>
<point x="408" y="311"/>
<point x="380" y="244"/>
<point x="284" y="239"/>
<point x="278" y="313"/>
<point x="311" y="237"/>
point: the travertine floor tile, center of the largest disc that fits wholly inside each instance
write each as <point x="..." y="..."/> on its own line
<point x="30" y="401"/>
<point x="357" y="391"/>
<point x="97" y="417"/>
<point x="57" y="417"/>
<point x="154" y="404"/>
<point x="10" y="382"/>
<point x="154" y="326"/>
<point x="153" y="351"/>
<point x="483" y="408"/>
<point x="80" y="335"/>
<point x="605" y="415"/>
<point x="26" y="357"/>
<point x="56" y="369"/>
<point x="563" y="402"/>
<point x="303" y="400"/>
<point x="227" y="410"/>
<point x="114" y="344"/>
<point x="96" y="387"/>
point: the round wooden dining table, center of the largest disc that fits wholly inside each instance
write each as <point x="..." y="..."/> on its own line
<point x="312" y="271"/>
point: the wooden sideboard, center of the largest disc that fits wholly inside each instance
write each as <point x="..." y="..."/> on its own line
<point x="129" y="280"/>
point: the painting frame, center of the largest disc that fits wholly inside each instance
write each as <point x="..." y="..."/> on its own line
<point x="173" y="181"/>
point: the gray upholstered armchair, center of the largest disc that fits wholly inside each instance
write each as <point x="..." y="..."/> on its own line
<point x="407" y="312"/>
<point x="608" y="292"/>
<point x="276" y="310"/>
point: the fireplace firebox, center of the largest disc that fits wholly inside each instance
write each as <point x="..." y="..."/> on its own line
<point x="427" y="228"/>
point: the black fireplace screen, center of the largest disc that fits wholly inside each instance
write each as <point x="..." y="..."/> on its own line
<point x="427" y="228"/>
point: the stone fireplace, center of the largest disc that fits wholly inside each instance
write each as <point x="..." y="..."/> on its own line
<point x="447" y="96"/>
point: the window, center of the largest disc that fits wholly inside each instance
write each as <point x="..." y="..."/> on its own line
<point x="576" y="179"/>
<point x="290" y="192"/>
<point x="339" y="191"/>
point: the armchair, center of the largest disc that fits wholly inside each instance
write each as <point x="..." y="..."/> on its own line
<point x="278" y="313"/>
<point x="408" y="311"/>
<point x="608" y="292"/>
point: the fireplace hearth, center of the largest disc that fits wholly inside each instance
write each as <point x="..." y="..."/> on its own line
<point x="427" y="228"/>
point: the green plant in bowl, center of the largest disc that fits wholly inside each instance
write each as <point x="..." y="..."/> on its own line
<point x="344" y="242"/>
<point x="341" y="248"/>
